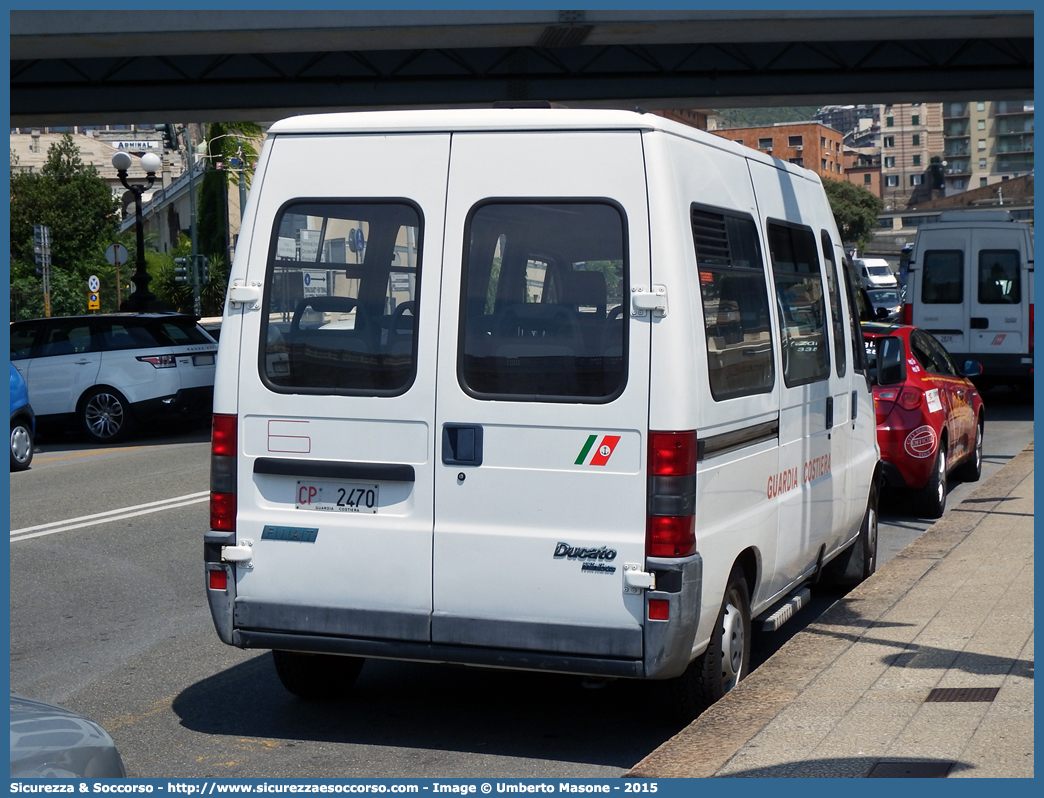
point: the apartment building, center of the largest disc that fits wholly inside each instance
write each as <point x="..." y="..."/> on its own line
<point x="911" y="135"/>
<point x="986" y="143"/>
<point x="809" y="144"/>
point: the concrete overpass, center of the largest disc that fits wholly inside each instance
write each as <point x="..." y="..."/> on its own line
<point x="92" y="67"/>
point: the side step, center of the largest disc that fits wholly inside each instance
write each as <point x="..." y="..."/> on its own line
<point x="786" y="611"/>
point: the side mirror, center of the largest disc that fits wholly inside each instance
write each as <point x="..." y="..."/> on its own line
<point x="881" y="313"/>
<point x="972" y="368"/>
<point x="890" y="368"/>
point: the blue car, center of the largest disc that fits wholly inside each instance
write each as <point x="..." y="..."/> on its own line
<point x="23" y="423"/>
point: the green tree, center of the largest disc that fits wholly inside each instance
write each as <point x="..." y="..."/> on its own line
<point x="77" y="205"/>
<point x="225" y="141"/>
<point x="855" y="211"/>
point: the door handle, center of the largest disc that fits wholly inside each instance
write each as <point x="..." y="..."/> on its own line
<point x="462" y="444"/>
<point x="82" y="362"/>
<point x="979" y="323"/>
<point x="830" y="412"/>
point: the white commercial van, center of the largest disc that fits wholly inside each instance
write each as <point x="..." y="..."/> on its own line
<point x="970" y="284"/>
<point x="547" y="389"/>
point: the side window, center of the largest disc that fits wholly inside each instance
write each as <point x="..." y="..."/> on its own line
<point x="180" y="332"/>
<point x="859" y="362"/>
<point x="735" y="303"/>
<point x="340" y="293"/>
<point x="999" y="282"/>
<point x="840" y="359"/>
<point x="126" y="335"/>
<point x="943" y="277"/>
<point x="802" y="308"/>
<point x="66" y="339"/>
<point x="23" y="337"/>
<point x="542" y="310"/>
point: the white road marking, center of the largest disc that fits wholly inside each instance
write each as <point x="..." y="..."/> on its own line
<point x="110" y="515"/>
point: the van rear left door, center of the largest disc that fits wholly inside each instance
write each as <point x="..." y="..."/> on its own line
<point x="337" y="387"/>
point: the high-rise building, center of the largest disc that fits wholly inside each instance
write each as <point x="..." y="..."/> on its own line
<point x="911" y="135"/>
<point x="986" y="143"/>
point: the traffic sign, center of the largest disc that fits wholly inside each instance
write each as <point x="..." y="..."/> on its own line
<point x="93" y="284"/>
<point x="116" y="254"/>
<point x="92" y="302"/>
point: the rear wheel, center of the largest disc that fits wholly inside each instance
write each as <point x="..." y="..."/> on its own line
<point x="21" y="445"/>
<point x="317" y="676"/>
<point x="727" y="658"/>
<point x="933" y="495"/>
<point x="971" y="469"/>
<point x="105" y="415"/>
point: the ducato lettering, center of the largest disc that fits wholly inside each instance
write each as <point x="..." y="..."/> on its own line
<point x="578" y="553"/>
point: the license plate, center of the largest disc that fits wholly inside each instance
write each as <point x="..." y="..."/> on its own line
<point x="338" y="497"/>
<point x="202" y="360"/>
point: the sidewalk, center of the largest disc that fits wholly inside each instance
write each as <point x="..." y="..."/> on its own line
<point x="857" y="694"/>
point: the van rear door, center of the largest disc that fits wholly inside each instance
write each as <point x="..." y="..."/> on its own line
<point x="941" y="304"/>
<point x="998" y="296"/>
<point x="337" y="387"/>
<point x="542" y="397"/>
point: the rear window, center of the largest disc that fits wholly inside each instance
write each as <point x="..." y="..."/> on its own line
<point x="943" y="281"/>
<point x="542" y="310"/>
<point x="179" y="332"/>
<point x="999" y="277"/>
<point x="341" y="294"/>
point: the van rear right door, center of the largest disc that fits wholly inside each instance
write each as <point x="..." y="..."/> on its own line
<point x="998" y="298"/>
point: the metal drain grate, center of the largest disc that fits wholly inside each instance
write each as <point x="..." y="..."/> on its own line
<point x="943" y="695"/>
<point x="910" y="770"/>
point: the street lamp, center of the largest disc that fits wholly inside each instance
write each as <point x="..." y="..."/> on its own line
<point x="142" y="299"/>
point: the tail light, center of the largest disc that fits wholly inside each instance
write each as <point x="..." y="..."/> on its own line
<point x="670" y="529"/>
<point x="911" y="398"/>
<point x="907" y="314"/>
<point x="223" y="473"/>
<point x="884" y="401"/>
<point x="160" y="361"/>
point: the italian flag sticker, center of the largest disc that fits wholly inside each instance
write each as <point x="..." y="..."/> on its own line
<point x="602" y="452"/>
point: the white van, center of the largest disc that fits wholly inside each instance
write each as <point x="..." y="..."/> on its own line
<point x="970" y="285"/>
<point x="545" y="389"/>
<point x="875" y="273"/>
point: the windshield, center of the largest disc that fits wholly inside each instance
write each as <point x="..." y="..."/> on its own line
<point x="884" y="296"/>
<point x="880" y="270"/>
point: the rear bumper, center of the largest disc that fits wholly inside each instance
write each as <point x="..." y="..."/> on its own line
<point x="186" y="403"/>
<point x="664" y="651"/>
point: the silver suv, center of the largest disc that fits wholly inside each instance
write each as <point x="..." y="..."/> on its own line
<point x="108" y="373"/>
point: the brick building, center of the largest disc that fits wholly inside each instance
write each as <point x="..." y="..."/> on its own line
<point x="809" y="144"/>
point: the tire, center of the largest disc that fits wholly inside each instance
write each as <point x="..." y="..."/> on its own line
<point x="933" y="495"/>
<point x="21" y="445"/>
<point x="105" y="415"/>
<point x="971" y="469"/>
<point x="726" y="661"/>
<point x="317" y="676"/>
<point x="858" y="561"/>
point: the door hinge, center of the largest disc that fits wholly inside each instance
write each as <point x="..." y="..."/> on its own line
<point x="635" y="579"/>
<point x="241" y="554"/>
<point x="645" y="300"/>
<point x="242" y="294"/>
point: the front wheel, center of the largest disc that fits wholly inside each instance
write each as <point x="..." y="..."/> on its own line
<point x="105" y="415"/>
<point x="858" y="561"/>
<point x="317" y="676"/>
<point x="727" y="659"/>
<point x="21" y="445"/>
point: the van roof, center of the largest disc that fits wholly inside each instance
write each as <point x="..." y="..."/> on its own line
<point x="492" y="119"/>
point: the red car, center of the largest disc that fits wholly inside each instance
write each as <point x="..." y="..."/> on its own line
<point x="929" y="415"/>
